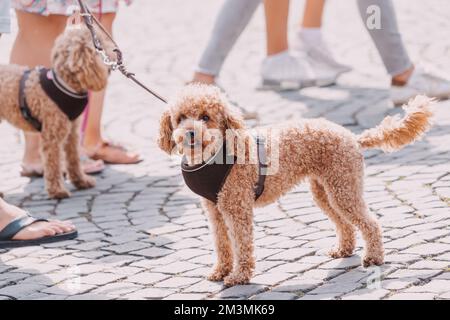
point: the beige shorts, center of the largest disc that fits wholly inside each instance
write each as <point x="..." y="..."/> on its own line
<point x="62" y="7"/>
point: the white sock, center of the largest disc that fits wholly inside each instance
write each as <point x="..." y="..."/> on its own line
<point x="310" y="36"/>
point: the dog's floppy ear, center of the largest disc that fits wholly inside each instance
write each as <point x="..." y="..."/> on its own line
<point x="233" y="118"/>
<point x="165" y="141"/>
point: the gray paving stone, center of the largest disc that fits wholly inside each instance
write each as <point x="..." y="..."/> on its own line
<point x="412" y="296"/>
<point x="149" y="293"/>
<point x="241" y="291"/>
<point x="147" y="278"/>
<point x="292" y="254"/>
<point x="270" y="295"/>
<point x="297" y="285"/>
<point x="429" y="249"/>
<point x="177" y="282"/>
<point x="271" y="278"/>
<point x="100" y="278"/>
<point x="434" y="286"/>
<point x="176" y="267"/>
<point x="366" y="294"/>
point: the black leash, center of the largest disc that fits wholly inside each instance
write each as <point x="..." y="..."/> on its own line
<point x="90" y="21"/>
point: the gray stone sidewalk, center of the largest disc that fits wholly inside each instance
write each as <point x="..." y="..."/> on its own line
<point x="143" y="234"/>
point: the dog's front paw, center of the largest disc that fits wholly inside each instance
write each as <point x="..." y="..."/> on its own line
<point x="340" y="253"/>
<point x="219" y="272"/>
<point x="372" y="261"/>
<point x="236" y="278"/>
<point x="59" y="194"/>
<point x="86" y="182"/>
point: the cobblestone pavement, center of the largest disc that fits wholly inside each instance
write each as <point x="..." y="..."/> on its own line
<point x="143" y="234"/>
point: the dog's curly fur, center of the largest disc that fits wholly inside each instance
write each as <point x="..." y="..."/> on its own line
<point x="326" y="153"/>
<point x="76" y="62"/>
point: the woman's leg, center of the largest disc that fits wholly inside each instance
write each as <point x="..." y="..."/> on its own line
<point x="310" y="41"/>
<point x="32" y="47"/>
<point x="312" y="16"/>
<point x="407" y="82"/>
<point x="277" y="14"/>
<point x="93" y="140"/>
<point x="388" y="39"/>
<point x="92" y="133"/>
<point x="232" y="19"/>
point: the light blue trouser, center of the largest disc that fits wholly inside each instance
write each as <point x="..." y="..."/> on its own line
<point x="5" y="20"/>
<point x="235" y="15"/>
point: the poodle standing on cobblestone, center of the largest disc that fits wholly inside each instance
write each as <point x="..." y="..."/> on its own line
<point x="51" y="101"/>
<point x="329" y="155"/>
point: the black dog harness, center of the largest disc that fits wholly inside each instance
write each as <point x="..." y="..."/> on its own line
<point x="72" y="104"/>
<point x="207" y="179"/>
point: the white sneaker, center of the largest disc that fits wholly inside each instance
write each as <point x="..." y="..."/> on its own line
<point x="421" y="83"/>
<point x="284" y="71"/>
<point x="320" y="53"/>
<point x="324" y="74"/>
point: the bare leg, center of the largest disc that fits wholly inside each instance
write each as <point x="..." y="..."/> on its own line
<point x="231" y="20"/>
<point x="345" y="231"/>
<point x="277" y="14"/>
<point x="32" y="47"/>
<point x="312" y="17"/>
<point x="74" y="169"/>
<point x="224" y="264"/>
<point x="92" y="136"/>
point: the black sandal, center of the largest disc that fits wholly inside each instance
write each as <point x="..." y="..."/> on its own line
<point x="14" y="227"/>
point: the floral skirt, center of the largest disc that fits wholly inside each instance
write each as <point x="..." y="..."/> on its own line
<point x="62" y="7"/>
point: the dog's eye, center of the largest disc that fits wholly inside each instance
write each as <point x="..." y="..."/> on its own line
<point x="205" y="118"/>
<point x="181" y="118"/>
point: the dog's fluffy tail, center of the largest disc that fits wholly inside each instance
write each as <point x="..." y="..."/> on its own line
<point x="393" y="133"/>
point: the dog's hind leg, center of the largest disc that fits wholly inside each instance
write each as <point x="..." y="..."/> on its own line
<point x="74" y="169"/>
<point x="222" y="242"/>
<point x="345" y="231"/>
<point x="53" y="136"/>
<point x="346" y="197"/>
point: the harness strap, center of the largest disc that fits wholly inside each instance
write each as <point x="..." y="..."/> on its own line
<point x="24" y="108"/>
<point x="262" y="166"/>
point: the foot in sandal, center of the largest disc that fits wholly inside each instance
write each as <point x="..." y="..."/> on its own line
<point x="90" y="167"/>
<point x="18" y="228"/>
<point x="112" y="153"/>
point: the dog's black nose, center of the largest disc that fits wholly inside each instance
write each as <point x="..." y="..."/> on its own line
<point x="190" y="134"/>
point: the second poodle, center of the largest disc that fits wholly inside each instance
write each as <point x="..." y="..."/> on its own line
<point x="50" y="101"/>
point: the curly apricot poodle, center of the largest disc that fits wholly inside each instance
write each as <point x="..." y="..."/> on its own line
<point x="329" y="155"/>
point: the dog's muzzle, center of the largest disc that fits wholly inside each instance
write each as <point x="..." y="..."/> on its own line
<point x="189" y="139"/>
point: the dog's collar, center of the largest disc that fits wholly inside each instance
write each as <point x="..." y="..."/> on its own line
<point x="64" y="87"/>
<point x="217" y="158"/>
